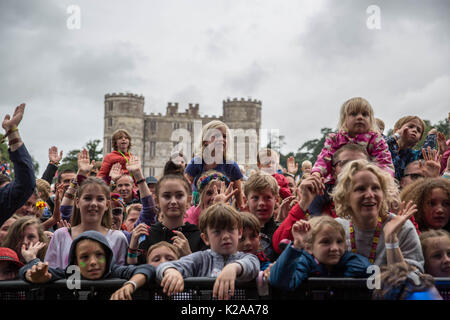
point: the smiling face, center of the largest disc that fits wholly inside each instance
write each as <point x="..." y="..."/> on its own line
<point x="208" y="193"/>
<point x="91" y="259"/>
<point x="328" y="246"/>
<point x="437" y="256"/>
<point x="222" y="241"/>
<point x="262" y="204"/>
<point x="123" y="143"/>
<point x="436" y="209"/>
<point x="92" y="204"/>
<point x="366" y="197"/>
<point x="124" y="186"/>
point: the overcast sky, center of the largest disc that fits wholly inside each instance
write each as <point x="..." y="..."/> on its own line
<point x="302" y="59"/>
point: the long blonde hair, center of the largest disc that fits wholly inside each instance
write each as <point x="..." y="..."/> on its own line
<point x="207" y="134"/>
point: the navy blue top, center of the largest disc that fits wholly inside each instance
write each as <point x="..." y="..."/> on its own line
<point x="196" y="167"/>
<point x="15" y="194"/>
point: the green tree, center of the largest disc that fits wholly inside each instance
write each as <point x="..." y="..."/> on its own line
<point x="70" y="161"/>
<point x="4" y="157"/>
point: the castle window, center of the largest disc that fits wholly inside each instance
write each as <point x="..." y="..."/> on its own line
<point x="110" y="122"/>
<point x="152" y="148"/>
<point x="189" y="126"/>
<point x="110" y="105"/>
<point x="176" y="125"/>
<point x="152" y="126"/>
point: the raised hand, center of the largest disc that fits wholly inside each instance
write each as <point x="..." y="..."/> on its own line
<point x="292" y="166"/>
<point x="300" y="230"/>
<point x="38" y="273"/>
<point x="9" y="122"/>
<point x="29" y="251"/>
<point x="284" y="208"/>
<point x="84" y="164"/>
<point x="309" y="189"/>
<point x="432" y="166"/>
<point x="63" y="224"/>
<point x="394" y="225"/>
<point x="138" y="231"/>
<point x="116" y="171"/>
<point x="225" y="194"/>
<point x="53" y="155"/>
<point x="134" y="165"/>
<point x="440" y="140"/>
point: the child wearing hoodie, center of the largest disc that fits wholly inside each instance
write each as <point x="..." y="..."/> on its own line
<point x="91" y="252"/>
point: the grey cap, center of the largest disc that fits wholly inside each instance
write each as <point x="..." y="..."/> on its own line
<point x="151" y="180"/>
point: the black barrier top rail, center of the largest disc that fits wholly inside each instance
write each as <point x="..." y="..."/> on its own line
<point x="313" y="288"/>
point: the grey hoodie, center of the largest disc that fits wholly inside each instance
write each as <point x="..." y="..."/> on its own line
<point x="209" y="263"/>
<point x="111" y="271"/>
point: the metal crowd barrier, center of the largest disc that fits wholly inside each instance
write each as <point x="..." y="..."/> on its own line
<point x="198" y="289"/>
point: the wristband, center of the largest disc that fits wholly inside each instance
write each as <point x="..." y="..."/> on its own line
<point x="69" y="195"/>
<point x="446" y="175"/>
<point x="8" y="133"/>
<point x="394" y="245"/>
<point x="131" y="282"/>
<point x="140" y="181"/>
<point x="131" y="255"/>
<point x="13" y="141"/>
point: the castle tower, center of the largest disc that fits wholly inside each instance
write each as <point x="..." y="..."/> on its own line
<point x="124" y="111"/>
<point x="244" y="117"/>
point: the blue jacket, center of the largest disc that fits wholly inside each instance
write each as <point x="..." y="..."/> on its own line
<point x="111" y="271"/>
<point x="294" y="266"/>
<point x="15" y="194"/>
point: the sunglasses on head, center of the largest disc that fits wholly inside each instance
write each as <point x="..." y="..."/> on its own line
<point x="117" y="211"/>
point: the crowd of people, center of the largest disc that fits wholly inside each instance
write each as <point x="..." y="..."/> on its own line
<point x="368" y="199"/>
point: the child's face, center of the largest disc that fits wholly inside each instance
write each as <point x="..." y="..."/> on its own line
<point x="412" y="131"/>
<point x="306" y="168"/>
<point x="30" y="235"/>
<point x="436" y="209"/>
<point x="437" y="257"/>
<point x="173" y="199"/>
<point x="268" y="164"/>
<point x="208" y="194"/>
<point x="222" y="241"/>
<point x="91" y="259"/>
<point x="160" y="255"/>
<point x="261" y="204"/>
<point x="92" y="204"/>
<point x="328" y="246"/>
<point x="5" y="227"/>
<point x="123" y="143"/>
<point x="358" y="122"/>
<point x="249" y="242"/>
<point x="8" y="271"/>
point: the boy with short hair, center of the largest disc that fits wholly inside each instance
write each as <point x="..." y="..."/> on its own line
<point x="261" y="191"/>
<point x="221" y="228"/>
<point x="250" y="241"/>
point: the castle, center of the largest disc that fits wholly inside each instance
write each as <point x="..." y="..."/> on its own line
<point x="155" y="137"/>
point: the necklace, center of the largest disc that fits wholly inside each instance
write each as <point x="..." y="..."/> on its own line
<point x="373" y="247"/>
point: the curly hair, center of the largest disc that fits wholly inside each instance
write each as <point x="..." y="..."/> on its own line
<point x="399" y="280"/>
<point x="418" y="191"/>
<point x="345" y="182"/>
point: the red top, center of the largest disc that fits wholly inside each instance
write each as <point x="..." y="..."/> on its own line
<point x="108" y="162"/>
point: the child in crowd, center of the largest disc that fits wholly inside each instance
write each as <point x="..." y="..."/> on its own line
<point x="23" y="233"/>
<point x="268" y="161"/>
<point x="221" y="227"/>
<point x="121" y="143"/>
<point x="319" y="249"/>
<point x="436" y="251"/>
<point x="356" y="125"/>
<point x="408" y="131"/>
<point x="262" y="191"/>
<point x="215" y="137"/>
<point x="432" y="198"/>
<point x="9" y="264"/>
<point x="92" y="211"/>
<point x="173" y="196"/>
<point x="162" y="252"/>
<point x="91" y="252"/>
<point x="211" y="188"/>
<point x="250" y="241"/>
<point x="6" y="225"/>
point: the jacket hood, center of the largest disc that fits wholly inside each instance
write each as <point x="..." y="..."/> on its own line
<point x="94" y="236"/>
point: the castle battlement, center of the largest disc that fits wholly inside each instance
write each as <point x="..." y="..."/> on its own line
<point x="228" y="100"/>
<point x="124" y="95"/>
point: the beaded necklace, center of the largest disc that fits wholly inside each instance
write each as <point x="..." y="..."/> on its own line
<point x="376" y="238"/>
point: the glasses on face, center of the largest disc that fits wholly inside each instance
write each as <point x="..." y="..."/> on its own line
<point x="117" y="211"/>
<point x="414" y="176"/>
<point x="341" y="163"/>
